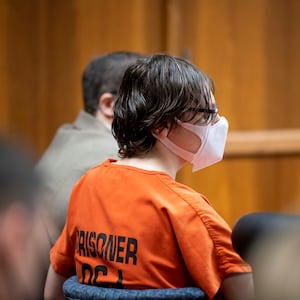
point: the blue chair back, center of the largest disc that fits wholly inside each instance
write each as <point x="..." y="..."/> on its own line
<point x="74" y="290"/>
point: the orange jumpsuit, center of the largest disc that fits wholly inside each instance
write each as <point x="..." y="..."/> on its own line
<point x="141" y="229"/>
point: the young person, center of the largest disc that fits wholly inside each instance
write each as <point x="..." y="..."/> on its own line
<point x="88" y="141"/>
<point x="130" y="224"/>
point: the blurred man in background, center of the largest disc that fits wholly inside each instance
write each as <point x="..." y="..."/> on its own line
<point x="88" y="141"/>
<point x="24" y="224"/>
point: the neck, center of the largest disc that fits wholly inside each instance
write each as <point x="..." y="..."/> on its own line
<point x="103" y="119"/>
<point x="159" y="159"/>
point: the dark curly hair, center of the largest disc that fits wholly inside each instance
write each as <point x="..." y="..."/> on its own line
<point x="156" y="92"/>
<point x="104" y="74"/>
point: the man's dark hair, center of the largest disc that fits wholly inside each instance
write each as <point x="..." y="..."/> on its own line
<point x="18" y="180"/>
<point x="155" y="93"/>
<point x="104" y="75"/>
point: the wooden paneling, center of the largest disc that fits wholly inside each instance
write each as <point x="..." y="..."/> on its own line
<point x="18" y="66"/>
<point x="46" y="44"/>
<point x="250" y="48"/>
<point x="262" y="143"/>
<point x="4" y="124"/>
<point x="243" y="185"/>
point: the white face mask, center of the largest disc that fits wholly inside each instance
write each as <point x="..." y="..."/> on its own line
<point x="213" y="139"/>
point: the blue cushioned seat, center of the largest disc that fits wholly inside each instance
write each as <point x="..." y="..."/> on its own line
<point x="73" y="290"/>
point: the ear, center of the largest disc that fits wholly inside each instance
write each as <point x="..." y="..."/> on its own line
<point x="160" y="132"/>
<point x="106" y="104"/>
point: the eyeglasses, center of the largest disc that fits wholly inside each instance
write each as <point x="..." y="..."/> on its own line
<point x="205" y="110"/>
<point x="209" y="115"/>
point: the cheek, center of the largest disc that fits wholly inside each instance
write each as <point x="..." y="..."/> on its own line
<point x="185" y="139"/>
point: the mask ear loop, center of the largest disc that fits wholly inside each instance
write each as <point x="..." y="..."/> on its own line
<point x="163" y="138"/>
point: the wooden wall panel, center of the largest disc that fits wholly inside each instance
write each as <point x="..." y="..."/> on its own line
<point x="251" y="49"/>
<point x="47" y="44"/>
<point x="3" y="66"/>
<point x="79" y="30"/>
<point x="239" y="186"/>
<point x="18" y="67"/>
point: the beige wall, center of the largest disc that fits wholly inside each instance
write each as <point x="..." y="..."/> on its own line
<point x="251" y="49"/>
